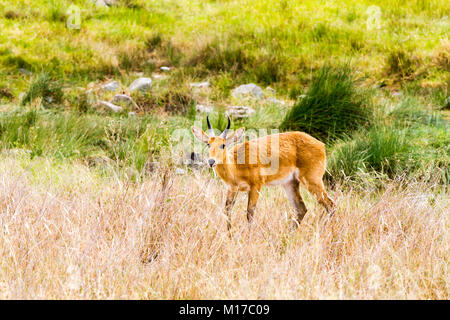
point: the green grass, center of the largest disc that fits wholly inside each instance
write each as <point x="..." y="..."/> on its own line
<point x="264" y="41"/>
<point x="409" y="142"/>
<point x="334" y="106"/>
<point x="282" y="44"/>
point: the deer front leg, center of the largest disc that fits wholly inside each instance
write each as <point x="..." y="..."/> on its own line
<point x="253" y="196"/>
<point x="231" y="199"/>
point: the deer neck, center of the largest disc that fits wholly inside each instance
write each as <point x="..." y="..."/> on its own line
<point x="225" y="170"/>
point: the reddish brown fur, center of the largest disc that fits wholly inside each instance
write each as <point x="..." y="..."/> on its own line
<point x="301" y="157"/>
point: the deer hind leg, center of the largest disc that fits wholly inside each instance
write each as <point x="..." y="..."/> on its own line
<point x="231" y="199"/>
<point x="253" y="196"/>
<point x="292" y="189"/>
<point x="316" y="187"/>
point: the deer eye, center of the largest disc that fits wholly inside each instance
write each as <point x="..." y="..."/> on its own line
<point x="222" y="146"/>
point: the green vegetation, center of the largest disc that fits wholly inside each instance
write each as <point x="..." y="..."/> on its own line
<point x="96" y="202"/>
<point x="376" y="96"/>
<point x="332" y="107"/>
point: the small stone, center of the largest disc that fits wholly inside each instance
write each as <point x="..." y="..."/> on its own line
<point x="142" y="84"/>
<point x="203" y="108"/>
<point x="396" y="94"/>
<point x="239" y="112"/>
<point x="111" y="86"/>
<point x="110" y="106"/>
<point x="205" y="84"/>
<point x="121" y="98"/>
<point x="302" y="96"/>
<point x="104" y="3"/>
<point x="250" y="89"/>
<point x="131" y="114"/>
<point x="271" y="90"/>
<point x="165" y="68"/>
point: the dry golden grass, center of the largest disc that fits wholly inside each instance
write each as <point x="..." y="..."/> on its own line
<point x="67" y="233"/>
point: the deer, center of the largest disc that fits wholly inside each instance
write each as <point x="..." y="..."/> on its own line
<point x="299" y="158"/>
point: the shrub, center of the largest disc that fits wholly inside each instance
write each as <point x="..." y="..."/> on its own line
<point x="399" y="62"/>
<point x="333" y="107"/>
<point x="46" y="87"/>
<point x="415" y="152"/>
<point x="380" y="149"/>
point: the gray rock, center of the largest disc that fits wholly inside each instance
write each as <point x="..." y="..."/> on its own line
<point x="104" y="3"/>
<point x="165" y="68"/>
<point x="122" y="98"/>
<point x="110" y="106"/>
<point x="250" y="89"/>
<point x="239" y="112"/>
<point x="205" y="84"/>
<point x="271" y="90"/>
<point x="203" y="108"/>
<point x="131" y="114"/>
<point x="142" y="84"/>
<point x="111" y="86"/>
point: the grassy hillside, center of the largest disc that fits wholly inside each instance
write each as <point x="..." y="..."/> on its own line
<point x="93" y="202"/>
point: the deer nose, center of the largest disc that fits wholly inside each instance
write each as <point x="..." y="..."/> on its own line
<point x="211" y="162"/>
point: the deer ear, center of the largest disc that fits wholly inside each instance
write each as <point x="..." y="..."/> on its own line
<point x="200" y="135"/>
<point x="235" y="136"/>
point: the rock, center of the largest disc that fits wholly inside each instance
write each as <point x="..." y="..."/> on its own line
<point x="110" y="106"/>
<point x="302" y="96"/>
<point x="239" y="112"/>
<point x="122" y="98"/>
<point x="142" y="84"/>
<point x="104" y="3"/>
<point x="111" y="86"/>
<point x="396" y="94"/>
<point x="250" y="89"/>
<point x="180" y="171"/>
<point x="165" y="68"/>
<point x="205" y="84"/>
<point x="276" y="101"/>
<point x="131" y="114"/>
<point x="271" y="90"/>
<point x="203" y="108"/>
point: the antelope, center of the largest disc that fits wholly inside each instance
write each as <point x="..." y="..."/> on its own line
<point x="300" y="160"/>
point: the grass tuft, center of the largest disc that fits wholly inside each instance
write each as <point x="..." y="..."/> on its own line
<point x="46" y="87"/>
<point x="334" y="106"/>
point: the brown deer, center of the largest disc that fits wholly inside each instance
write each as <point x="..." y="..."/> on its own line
<point x="288" y="159"/>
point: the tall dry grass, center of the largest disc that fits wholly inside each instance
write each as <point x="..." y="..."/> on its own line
<point x="71" y="234"/>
